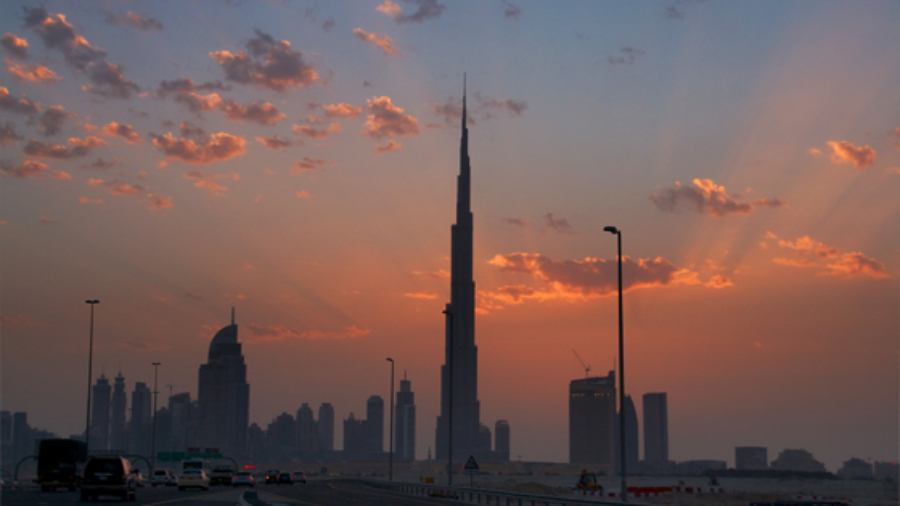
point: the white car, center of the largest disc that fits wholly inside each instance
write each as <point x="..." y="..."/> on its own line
<point x="193" y="478"/>
<point x="163" y="477"/>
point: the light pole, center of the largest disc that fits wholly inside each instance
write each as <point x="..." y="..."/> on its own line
<point x="618" y="234"/>
<point x="87" y="423"/>
<point x="153" y="435"/>
<point x="450" y="399"/>
<point x="391" y="458"/>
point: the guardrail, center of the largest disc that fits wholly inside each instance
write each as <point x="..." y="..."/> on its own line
<point x="488" y="497"/>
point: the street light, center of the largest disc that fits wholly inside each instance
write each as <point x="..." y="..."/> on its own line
<point x="449" y="314"/>
<point x="87" y="423"/>
<point x="153" y="435"/>
<point x="618" y="234"/>
<point x="391" y="458"/>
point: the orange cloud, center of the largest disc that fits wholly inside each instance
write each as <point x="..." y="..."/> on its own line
<point x="421" y="295"/>
<point x="85" y="200"/>
<point x="57" y="33"/>
<point x="208" y="181"/>
<point x="270" y="64"/>
<point x="121" y="130"/>
<point x="307" y="163"/>
<point x="80" y="147"/>
<point x="217" y="147"/>
<point x="341" y="110"/>
<point x="30" y="73"/>
<point x="277" y="333"/>
<point x="302" y="194"/>
<point x="196" y="102"/>
<point x="16" y="105"/>
<point x="160" y="202"/>
<point x="389" y="146"/>
<point x="313" y="133"/>
<point x="25" y="170"/>
<point x="439" y="274"/>
<point x="140" y="21"/>
<point x="845" y="152"/>
<point x="386" y="119"/>
<point x="17" y="47"/>
<point x="706" y="197"/>
<point x="18" y="321"/>
<point x="61" y="174"/>
<point x="389" y="8"/>
<point x="808" y="252"/>
<point x="383" y="42"/>
<point x="274" y="142"/>
<point x="116" y="187"/>
<point x="263" y="113"/>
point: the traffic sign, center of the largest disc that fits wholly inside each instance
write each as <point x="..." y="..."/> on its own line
<point x="471" y="467"/>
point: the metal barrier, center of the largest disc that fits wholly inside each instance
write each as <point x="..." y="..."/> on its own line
<point x="488" y="497"/>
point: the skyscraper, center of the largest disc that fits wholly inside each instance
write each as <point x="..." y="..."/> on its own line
<point x="307" y="434"/>
<point x="100" y="414"/>
<point x="460" y="350"/>
<point x="656" y="428"/>
<point x="632" y="454"/>
<point x="139" y="426"/>
<point x="501" y="441"/>
<point x="224" y="395"/>
<point x="592" y="422"/>
<point x="374" y="427"/>
<point x="118" y="437"/>
<point x="326" y="429"/>
<point x="405" y="422"/>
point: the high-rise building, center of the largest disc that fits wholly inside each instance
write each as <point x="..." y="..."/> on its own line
<point x="139" y="427"/>
<point x="223" y="395"/>
<point x="326" y="429"/>
<point x="405" y="422"/>
<point x="118" y="435"/>
<point x="751" y="457"/>
<point x="374" y="427"/>
<point x="632" y="454"/>
<point x="459" y="373"/>
<point x="307" y="433"/>
<point x="592" y="422"/>
<point x="354" y="439"/>
<point x="656" y="428"/>
<point x="501" y="441"/>
<point x="100" y="410"/>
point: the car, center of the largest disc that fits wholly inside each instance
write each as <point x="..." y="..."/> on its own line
<point x="139" y="476"/>
<point x="284" y="479"/>
<point x="299" y="477"/>
<point x="163" y="477"/>
<point x="272" y="476"/>
<point x="221" y="476"/>
<point x="109" y="475"/>
<point x="243" y="479"/>
<point x="193" y="478"/>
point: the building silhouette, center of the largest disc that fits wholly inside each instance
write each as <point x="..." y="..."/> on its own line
<point x="405" y="422"/>
<point x="139" y="426"/>
<point x="118" y="434"/>
<point x="307" y="433"/>
<point x="656" y="428"/>
<point x="632" y="454"/>
<point x="751" y="458"/>
<point x="326" y="429"/>
<point x="223" y="395"/>
<point x="354" y="439"/>
<point x="501" y="441"/>
<point x="100" y="410"/>
<point x="592" y="422"/>
<point x="460" y="329"/>
<point x="374" y="428"/>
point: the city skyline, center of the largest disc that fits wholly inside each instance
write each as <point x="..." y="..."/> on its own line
<point x="298" y="161"/>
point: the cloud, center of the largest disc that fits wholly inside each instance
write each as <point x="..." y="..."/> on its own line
<point x="425" y="9"/>
<point x="438" y="274"/>
<point x="421" y="295"/>
<point x="16" y="105"/>
<point x="140" y="21"/>
<point x="385" y="119"/>
<point x="845" y="152"/>
<point x="516" y="222"/>
<point x="274" y="142"/>
<point x="320" y="133"/>
<point x="208" y="181"/>
<point x="48" y="221"/>
<point x="815" y="151"/>
<point x="17" y="47"/>
<point x="389" y="8"/>
<point x="487" y="106"/>
<point x="706" y="197"/>
<point x="80" y="147"/>
<point x="511" y="10"/>
<point x="263" y="113"/>
<point x="895" y="137"/>
<point x="30" y="73"/>
<point x="86" y="200"/>
<point x="217" y="147"/>
<point x="184" y="85"/>
<point x="388" y="146"/>
<point x="718" y="281"/>
<point x="270" y="64"/>
<point x="121" y="130"/>
<point x="192" y="131"/>
<point x="627" y="56"/>
<point x="61" y="174"/>
<point x="302" y="194"/>
<point x="197" y="102"/>
<point x="57" y="33"/>
<point x="107" y="81"/>
<point x="52" y="120"/>
<point x="341" y="110"/>
<point x="277" y="333"/>
<point x="118" y="188"/>
<point x="159" y="202"/>
<point x="384" y="42"/>
<point x="808" y="252"/>
<point x="25" y="170"/>
<point x="557" y="225"/>
<point x="307" y="163"/>
<point x="101" y="164"/>
<point x="18" y="321"/>
<point x="8" y="134"/>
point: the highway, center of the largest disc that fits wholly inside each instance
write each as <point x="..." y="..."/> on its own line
<point x="314" y="493"/>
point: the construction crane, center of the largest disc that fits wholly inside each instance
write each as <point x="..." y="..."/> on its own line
<point x="587" y="368"/>
<point x="170" y="391"/>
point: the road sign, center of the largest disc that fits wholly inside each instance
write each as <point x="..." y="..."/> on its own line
<point x="471" y="467"/>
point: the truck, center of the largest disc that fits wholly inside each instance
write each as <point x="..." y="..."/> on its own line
<point x="60" y="463"/>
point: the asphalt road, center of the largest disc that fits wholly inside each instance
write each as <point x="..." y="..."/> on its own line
<point x="314" y="493"/>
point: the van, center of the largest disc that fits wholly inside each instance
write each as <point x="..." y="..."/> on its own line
<point x="109" y="476"/>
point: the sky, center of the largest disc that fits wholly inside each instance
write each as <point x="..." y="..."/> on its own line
<point x="298" y="161"/>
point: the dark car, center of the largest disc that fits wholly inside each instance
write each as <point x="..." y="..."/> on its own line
<point x="109" y="476"/>
<point x="284" y="479"/>
<point x="299" y="477"/>
<point x="271" y="476"/>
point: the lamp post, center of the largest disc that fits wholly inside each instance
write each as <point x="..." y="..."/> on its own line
<point x="391" y="457"/>
<point x="153" y="434"/>
<point x="622" y="452"/>
<point x="449" y="314"/>
<point x="87" y="423"/>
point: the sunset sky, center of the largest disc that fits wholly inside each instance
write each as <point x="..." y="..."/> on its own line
<point x="298" y="161"/>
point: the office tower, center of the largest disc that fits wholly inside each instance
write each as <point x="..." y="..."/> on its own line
<point x="118" y="437"/>
<point x="405" y="422"/>
<point x="460" y="349"/>
<point x="751" y="457"/>
<point x="592" y="422"/>
<point x="374" y="427"/>
<point x="183" y="423"/>
<point x="139" y="427"/>
<point x="307" y="434"/>
<point x="5" y="427"/>
<point x="632" y="455"/>
<point x="100" y="410"/>
<point x="501" y="441"/>
<point x="281" y="438"/>
<point x="224" y="395"/>
<point x="354" y="439"/>
<point x="326" y="429"/>
<point x="656" y="428"/>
